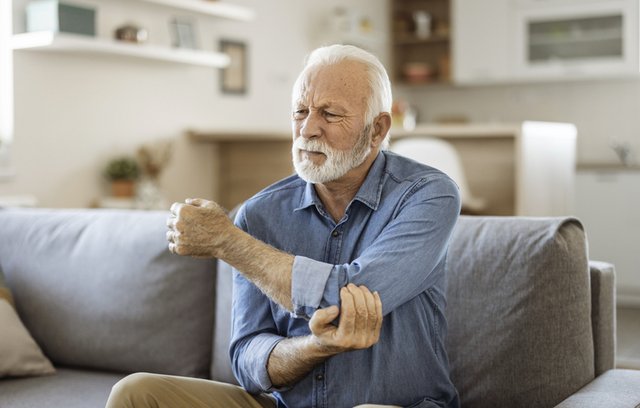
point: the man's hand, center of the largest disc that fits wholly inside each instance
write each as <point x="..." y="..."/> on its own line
<point x="360" y="321"/>
<point x="198" y="228"/>
<point x="359" y="328"/>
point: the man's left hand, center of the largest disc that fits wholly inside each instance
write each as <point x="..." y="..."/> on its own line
<point x="198" y="228"/>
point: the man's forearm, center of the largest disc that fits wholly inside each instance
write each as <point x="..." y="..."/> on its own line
<point x="266" y="267"/>
<point x="293" y="358"/>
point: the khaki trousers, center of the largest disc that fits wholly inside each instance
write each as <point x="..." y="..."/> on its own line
<point x="143" y="390"/>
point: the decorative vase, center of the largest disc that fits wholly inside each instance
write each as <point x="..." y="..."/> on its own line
<point x="122" y="188"/>
<point x="149" y="196"/>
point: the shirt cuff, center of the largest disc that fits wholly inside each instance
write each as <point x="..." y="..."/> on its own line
<point x="261" y="347"/>
<point x="314" y="284"/>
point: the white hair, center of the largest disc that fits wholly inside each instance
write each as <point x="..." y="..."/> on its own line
<point x="380" y="98"/>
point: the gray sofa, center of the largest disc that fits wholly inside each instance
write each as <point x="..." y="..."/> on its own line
<point x="531" y="324"/>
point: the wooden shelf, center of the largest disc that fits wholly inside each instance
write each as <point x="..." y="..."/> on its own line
<point x="411" y="40"/>
<point x="221" y="136"/>
<point x="466" y="130"/>
<point x="211" y="8"/>
<point x="408" y="48"/>
<point x="56" y="42"/>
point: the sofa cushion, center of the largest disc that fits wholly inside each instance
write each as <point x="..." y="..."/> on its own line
<point x="518" y="311"/>
<point x="68" y="388"/>
<point x="19" y="353"/>
<point x="99" y="289"/>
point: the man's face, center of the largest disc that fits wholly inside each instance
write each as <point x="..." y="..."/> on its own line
<point x="329" y="134"/>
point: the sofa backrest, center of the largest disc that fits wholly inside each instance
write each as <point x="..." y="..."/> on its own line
<point x="518" y="311"/>
<point x="99" y="289"/>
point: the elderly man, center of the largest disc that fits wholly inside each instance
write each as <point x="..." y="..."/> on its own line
<point x="339" y="287"/>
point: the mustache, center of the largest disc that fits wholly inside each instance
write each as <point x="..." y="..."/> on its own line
<point x="311" y="145"/>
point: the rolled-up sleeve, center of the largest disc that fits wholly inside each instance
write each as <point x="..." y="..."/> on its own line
<point x="399" y="262"/>
<point x="250" y="366"/>
<point x="310" y="284"/>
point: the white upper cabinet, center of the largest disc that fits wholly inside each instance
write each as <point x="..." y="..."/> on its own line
<point x="481" y="41"/>
<point x="576" y="39"/>
<point x="544" y="40"/>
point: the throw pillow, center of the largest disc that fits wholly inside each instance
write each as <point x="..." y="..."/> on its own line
<point x="19" y="354"/>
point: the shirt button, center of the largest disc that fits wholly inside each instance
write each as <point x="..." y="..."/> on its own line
<point x="319" y="377"/>
<point x="335" y="233"/>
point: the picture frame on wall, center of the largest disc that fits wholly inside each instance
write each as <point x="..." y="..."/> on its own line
<point x="183" y="33"/>
<point x="233" y="78"/>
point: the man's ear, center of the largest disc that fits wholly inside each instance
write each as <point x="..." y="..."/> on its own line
<point x="381" y="126"/>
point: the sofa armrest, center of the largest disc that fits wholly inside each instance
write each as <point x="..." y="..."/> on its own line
<point x="613" y="389"/>
<point x="603" y="315"/>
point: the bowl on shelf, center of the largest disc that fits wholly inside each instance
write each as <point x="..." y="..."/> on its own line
<point x="418" y="72"/>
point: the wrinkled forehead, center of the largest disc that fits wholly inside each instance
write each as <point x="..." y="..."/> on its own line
<point x="343" y="80"/>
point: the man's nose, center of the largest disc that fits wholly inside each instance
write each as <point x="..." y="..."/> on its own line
<point x="311" y="126"/>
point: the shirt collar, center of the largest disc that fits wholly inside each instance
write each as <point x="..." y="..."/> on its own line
<point x="369" y="193"/>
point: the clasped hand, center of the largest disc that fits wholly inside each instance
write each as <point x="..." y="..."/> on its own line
<point x="197" y="228"/>
<point x="360" y="321"/>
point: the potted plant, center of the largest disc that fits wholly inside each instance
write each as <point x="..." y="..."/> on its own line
<point x="122" y="172"/>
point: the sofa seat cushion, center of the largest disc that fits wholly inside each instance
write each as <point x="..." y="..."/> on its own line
<point x="99" y="289"/>
<point x="67" y="388"/>
<point x="519" y="311"/>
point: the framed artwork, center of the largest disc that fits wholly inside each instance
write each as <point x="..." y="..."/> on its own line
<point x="233" y="78"/>
<point x="183" y="33"/>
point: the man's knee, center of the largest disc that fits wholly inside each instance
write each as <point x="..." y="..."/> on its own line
<point x="131" y="388"/>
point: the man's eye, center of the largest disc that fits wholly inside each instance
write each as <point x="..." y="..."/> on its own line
<point x="299" y="113"/>
<point x="332" y="116"/>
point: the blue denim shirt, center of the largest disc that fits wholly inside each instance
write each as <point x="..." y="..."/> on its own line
<point x="392" y="239"/>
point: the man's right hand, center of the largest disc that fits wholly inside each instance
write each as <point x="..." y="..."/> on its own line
<point x="360" y="321"/>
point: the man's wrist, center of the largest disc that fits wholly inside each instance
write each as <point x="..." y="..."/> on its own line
<point x="232" y="238"/>
<point x="316" y="348"/>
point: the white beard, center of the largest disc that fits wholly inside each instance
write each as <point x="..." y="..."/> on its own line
<point x="338" y="162"/>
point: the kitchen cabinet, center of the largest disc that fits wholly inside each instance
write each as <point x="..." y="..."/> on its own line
<point x="481" y="41"/>
<point x="607" y="202"/>
<point x="576" y="39"/>
<point x="421" y="41"/>
<point x="541" y="40"/>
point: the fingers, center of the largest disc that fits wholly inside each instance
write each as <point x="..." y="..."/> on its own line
<point x="361" y="307"/>
<point x="360" y="321"/>
<point x="197" y="227"/>
<point x="347" y="313"/>
<point x="201" y="202"/>
<point x="322" y="318"/>
<point x="361" y="316"/>
<point x="198" y="202"/>
<point x="175" y="208"/>
<point x="378" y="326"/>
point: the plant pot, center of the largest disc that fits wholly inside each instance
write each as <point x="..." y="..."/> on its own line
<point x="122" y="188"/>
